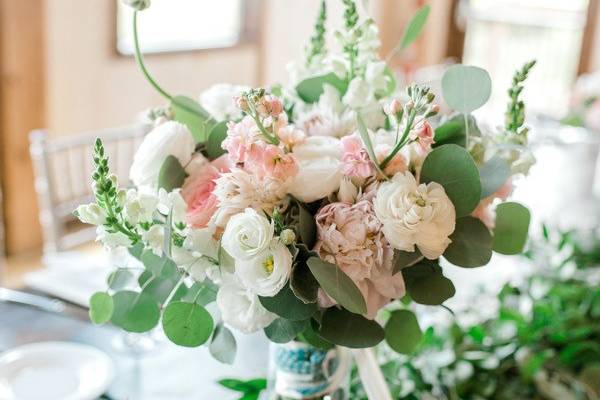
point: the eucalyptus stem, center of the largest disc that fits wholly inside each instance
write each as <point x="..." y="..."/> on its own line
<point x="466" y="119"/>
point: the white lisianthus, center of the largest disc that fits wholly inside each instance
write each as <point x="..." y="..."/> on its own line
<point x="112" y="240"/>
<point x="414" y="214"/>
<point x="154" y="238"/>
<point x="240" y="308"/>
<point x="219" y="101"/>
<point x="139" y="206"/>
<point x="319" y="174"/>
<point x="170" y="138"/>
<point x="91" y="214"/>
<point x="266" y="273"/>
<point x="247" y="234"/>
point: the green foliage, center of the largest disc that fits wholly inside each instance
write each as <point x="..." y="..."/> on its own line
<point x="135" y="311"/>
<point x="249" y="390"/>
<point x="471" y="244"/>
<point x="119" y="279"/>
<point x="404" y="259"/>
<point x="316" y="47"/>
<point x="366" y="139"/>
<point x="307" y="226"/>
<point x="512" y="228"/>
<point x="171" y="174"/>
<point x="402" y="331"/>
<point x="190" y="113"/>
<point x="187" y="324"/>
<point x="286" y="305"/>
<point x="347" y="329"/>
<point x="337" y="285"/>
<point x="493" y="173"/>
<point x="311" y="89"/>
<point x="426" y="284"/>
<point x="284" y="330"/>
<point x="415" y="26"/>
<point x="466" y="88"/>
<point x="515" y="111"/>
<point x="310" y="336"/>
<point x="223" y="346"/>
<point x="101" y="307"/>
<point x="217" y="134"/>
<point x="453" y="167"/>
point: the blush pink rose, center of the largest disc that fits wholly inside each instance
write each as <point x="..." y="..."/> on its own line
<point x="349" y="235"/>
<point x="355" y="160"/>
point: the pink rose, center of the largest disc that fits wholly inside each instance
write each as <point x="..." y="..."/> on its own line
<point x="355" y="160"/>
<point x="350" y="237"/>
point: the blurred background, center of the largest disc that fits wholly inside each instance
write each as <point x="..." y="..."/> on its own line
<point x="67" y="75"/>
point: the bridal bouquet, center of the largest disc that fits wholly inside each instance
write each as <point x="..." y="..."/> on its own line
<point x="316" y="211"/>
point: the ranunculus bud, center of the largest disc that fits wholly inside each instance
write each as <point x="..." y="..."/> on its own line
<point x="287" y="237"/>
<point x="138" y="5"/>
<point x="392" y="108"/>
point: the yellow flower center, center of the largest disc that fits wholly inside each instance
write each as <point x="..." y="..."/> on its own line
<point x="269" y="264"/>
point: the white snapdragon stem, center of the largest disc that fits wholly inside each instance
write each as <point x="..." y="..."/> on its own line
<point x="371" y="375"/>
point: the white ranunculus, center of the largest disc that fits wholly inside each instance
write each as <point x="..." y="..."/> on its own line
<point x="139" y="206"/>
<point x="91" y="214"/>
<point x="240" y="308"/>
<point x="266" y="273"/>
<point x="154" y="238"/>
<point x="219" y="101"/>
<point x="170" y="138"/>
<point x="319" y="174"/>
<point x="247" y="234"/>
<point x="112" y="240"/>
<point x="414" y="214"/>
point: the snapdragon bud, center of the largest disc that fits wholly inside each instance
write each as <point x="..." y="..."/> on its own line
<point x="287" y="237"/>
<point x="137" y="5"/>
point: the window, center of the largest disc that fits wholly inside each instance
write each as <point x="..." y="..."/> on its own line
<point x="181" y="25"/>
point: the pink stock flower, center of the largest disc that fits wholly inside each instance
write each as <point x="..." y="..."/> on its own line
<point x="485" y="210"/>
<point x="240" y="137"/>
<point x="424" y="135"/>
<point x="350" y="237"/>
<point x="290" y="136"/>
<point x="277" y="164"/>
<point x="355" y="160"/>
<point x="396" y="164"/>
<point x="197" y="190"/>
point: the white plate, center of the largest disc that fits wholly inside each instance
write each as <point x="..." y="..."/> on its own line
<point x="54" y="371"/>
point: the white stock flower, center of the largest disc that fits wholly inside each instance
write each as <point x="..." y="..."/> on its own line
<point x="170" y="138"/>
<point x="139" y="206"/>
<point x="219" y="101"/>
<point x="91" y="214"/>
<point x="375" y="75"/>
<point x="247" y="234"/>
<point x="319" y="174"/>
<point x="240" y="308"/>
<point x="154" y="238"/>
<point x="266" y="273"/>
<point x="413" y="214"/>
<point x="172" y="203"/>
<point x="359" y="93"/>
<point x="112" y="240"/>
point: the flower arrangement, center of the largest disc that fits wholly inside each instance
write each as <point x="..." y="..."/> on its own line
<point x="304" y="210"/>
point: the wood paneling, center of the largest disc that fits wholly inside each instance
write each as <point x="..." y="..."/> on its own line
<point x="21" y="110"/>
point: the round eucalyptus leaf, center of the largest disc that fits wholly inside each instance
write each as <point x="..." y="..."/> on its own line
<point x="311" y="89"/>
<point x="347" y="329"/>
<point x="493" y="173"/>
<point x="101" y="307"/>
<point x="187" y="324"/>
<point x="171" y="174"/>
<point x="216" y="136"/>
<point x="286" y="305"/>
<point x="453" y="167"/>
<point x="512" y="228"/>
<point x="426" y="284"/>
<point x="284" y="330"/>
<point x="223" y="346"/>
<point x="471" y="244"/>
<point x="466" y="88"/>
<point x="310" y="336"/>
<point x="135" y="312"/>
<point x="402" y="331"/>
<point x="119" y="279"/>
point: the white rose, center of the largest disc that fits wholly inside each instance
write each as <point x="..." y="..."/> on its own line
<point x="240" y="308"/>
<point x="319" y="173"/>
<point x="154" y="238"/>
<point x="266" y="273"/>
<point x="170" y="138"/>
<point x="91" y="214"/>
<point x="413" y="214"/>
<point x="219" y="101"/>
<point x="139" y="206"/>
<point x="247" y="234"/>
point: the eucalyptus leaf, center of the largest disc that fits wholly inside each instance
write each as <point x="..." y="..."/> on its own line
<point x="215" y="137"/>
<point x="311" y="89"/>
<point x="426" y="284"/>
<point x="453" y="167"/>
<point x="284" y="330"/>
<point x="402" y="331"/>
<point x="337" y="285"/>
<point x="171" y="174"/>
<point x="347" y="329"/>
<point x="493" y="174"/>
<point x="190" y="113"/>
<point x="511" y="228"/>
<point x="453" y="131"/>
<point x="101" y="308"/>
<point x="223" y="346"/>
<point x="119" y="279"/>
<point x="164" y="276"/>
<point x="404" y="259"/>
<point x="253" y="385"/>
<point x="202" y="293"/>
<point x="307" y="226"/>
<point x="466" y="88"/>
<point x="187" y="324"/>
<point x="135" y="312"/>
<point x="364" y="135"/>
<point x="303" y="284"/>
<point x="471" y="244"/>
<point x="415" y="26"/>
<point x="310" y="336"/>
<point x="286" y="305"/>
<point x="136" y="250"/>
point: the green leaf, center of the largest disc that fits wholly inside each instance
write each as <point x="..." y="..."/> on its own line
<point x="171" y="174"/>
<point x="512" y="228"/>
<point x="164" y="276"/>
<point x="453" y="131"/>
<point x="202" y="293"/>
<point x="216" y="136"/>
<point x="404" y="259"/>
<point x="426" y="284"/>
<point x="286" y="305"/>
<point x="364" y="135"/>
<point x="310" y="336"/>
<point x="187" y="324"/>
<point x="284" y="330"/>
<point x="347" y="329"/>
<point x="101" y="308"/>
<point x="307" y="226"/>
<point x="390" y="84"/>
<point x="136" y="250"/>
<point x="453" y="167"/>
<point x="253" y="385"/>
<point x="402" y="332"/>
<point x="591" y="376"/>
<point x="337" y="285"/>
<point x="493" y="174"/>
<point x="303" y="284"/>
<point x="119" y="279"/>
<point x="223" y="346"/>
<point x="466" y="88"/>
<point x="197" y="119"/>
<point x="471" y="244"/>
<point x="311" y="89"/>
<point x="135" y="312"/>
<point x="415" y="26"/>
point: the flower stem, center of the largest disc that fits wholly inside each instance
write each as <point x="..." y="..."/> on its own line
<point x="402" y="141"/>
